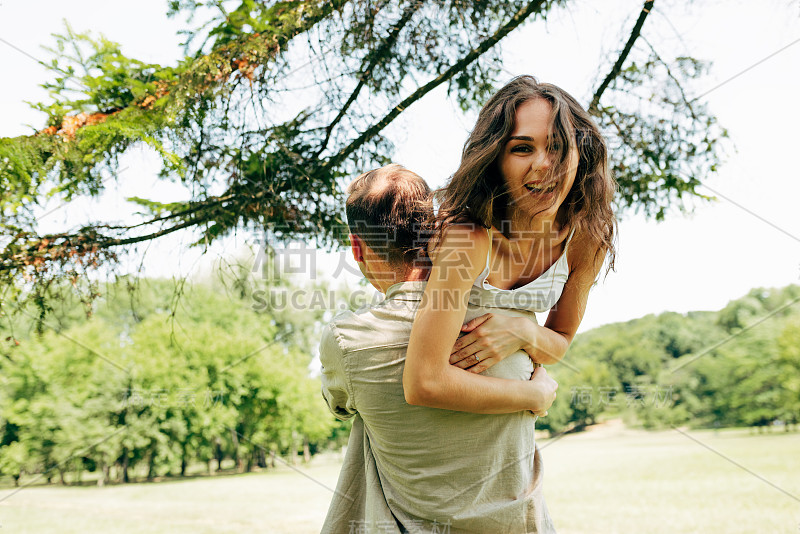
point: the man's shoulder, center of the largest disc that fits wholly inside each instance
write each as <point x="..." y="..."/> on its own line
<point x="346" y="319"/>
<point x="332" y="332"/>
<point x="382" y="325"/>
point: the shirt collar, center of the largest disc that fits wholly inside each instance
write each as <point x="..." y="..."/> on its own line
<point x="406" y="291"/>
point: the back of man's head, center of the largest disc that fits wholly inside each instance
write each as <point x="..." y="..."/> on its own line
<point x="389" y="209"/>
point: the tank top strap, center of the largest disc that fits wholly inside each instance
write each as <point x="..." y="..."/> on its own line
<point x="481" y="280"/>
<point x="488" y="252"/>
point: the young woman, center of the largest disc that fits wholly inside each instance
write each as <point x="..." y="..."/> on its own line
<point x="533" y="184"/>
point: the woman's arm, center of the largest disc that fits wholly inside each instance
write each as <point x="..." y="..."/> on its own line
<point x="553" y="339"/>
<point x="493" y="337"/>
<point x="428" y="377"/>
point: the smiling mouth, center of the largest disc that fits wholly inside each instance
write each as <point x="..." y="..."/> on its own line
<point x="532" y="188"/>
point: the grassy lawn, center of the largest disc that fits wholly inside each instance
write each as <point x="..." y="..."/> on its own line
<point x="617" y="480"/>
<point x="603" y="481"/>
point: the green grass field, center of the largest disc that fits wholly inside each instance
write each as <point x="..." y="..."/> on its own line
<point x="607" y="480"/>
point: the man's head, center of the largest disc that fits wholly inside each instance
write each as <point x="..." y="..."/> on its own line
<point x="388" y="210"/>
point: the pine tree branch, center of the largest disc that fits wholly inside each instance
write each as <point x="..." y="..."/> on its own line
<point x="617" y="68"/>
<point x="115" y="242"/>
<point x="234" y="56"/>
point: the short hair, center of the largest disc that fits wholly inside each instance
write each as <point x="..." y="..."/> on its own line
<point x="390" y="209"/>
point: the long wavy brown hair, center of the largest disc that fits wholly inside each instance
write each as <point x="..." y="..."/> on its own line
<point x="478" y="194"/>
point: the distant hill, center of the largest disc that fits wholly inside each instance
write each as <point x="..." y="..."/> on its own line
<point x="736" y="366"/>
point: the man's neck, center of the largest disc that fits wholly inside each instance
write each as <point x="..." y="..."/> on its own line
<point x="417" y="275"/>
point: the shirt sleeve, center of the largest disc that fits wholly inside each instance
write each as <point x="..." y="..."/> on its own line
<point x="335" y="382"/>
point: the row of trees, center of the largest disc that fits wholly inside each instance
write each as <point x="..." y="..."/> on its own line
<point x="739" y="366"/>
<point x="149" y="386"/>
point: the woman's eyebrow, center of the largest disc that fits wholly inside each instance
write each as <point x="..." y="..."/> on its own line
<point x="521" y="138"/>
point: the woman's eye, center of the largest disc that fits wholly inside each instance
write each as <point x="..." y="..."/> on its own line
<point x="521" y="148"/>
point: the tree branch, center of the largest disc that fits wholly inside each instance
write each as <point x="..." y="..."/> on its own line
<point x="367" y="71"/>
<point x="686" y="101"/>
<point x="516" y="20"/>
<point x="235" y="56"/>
<point x="617" y="68"/>
<point x="108" y="243"/>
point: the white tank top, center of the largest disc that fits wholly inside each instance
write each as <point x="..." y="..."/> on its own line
<point x="538" y="295"/>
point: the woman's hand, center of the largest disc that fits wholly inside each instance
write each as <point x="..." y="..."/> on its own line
<point x="489" y="339"/>
<point x="545" y="391"/>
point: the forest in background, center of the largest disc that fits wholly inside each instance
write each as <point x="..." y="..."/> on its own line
<point x="155" y="378"/>
<point x="739" y="366"/>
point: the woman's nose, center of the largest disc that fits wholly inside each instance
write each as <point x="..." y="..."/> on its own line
<point x="545" y="161"/>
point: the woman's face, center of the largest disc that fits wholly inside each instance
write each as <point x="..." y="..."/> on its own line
<point x="526" y="158"/>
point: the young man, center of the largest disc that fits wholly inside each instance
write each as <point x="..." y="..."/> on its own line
<point x="411" y="468"/>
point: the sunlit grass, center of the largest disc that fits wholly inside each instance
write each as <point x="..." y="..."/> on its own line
<point x="617" y="480"/>
<point x="604" y="481"/>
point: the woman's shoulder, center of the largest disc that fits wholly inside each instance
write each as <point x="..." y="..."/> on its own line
<point x="584" y="252"/>
<point x="465" y="243"/>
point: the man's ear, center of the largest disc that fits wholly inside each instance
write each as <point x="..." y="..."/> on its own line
<point x="357" y="246"/>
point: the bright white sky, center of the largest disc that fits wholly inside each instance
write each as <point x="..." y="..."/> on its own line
<point x="697" y="262"/>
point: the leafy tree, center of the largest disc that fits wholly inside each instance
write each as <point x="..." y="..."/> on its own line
<point x="151" y="394"/>
<point x="583" y="395"/>
<point x="737" y="366"/>
<point x="681" y="335"/>
<point x="789" y="369"/>
<point x="51" y="393"/>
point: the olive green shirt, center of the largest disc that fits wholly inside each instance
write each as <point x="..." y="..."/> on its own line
<point x="417" y="469"/>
